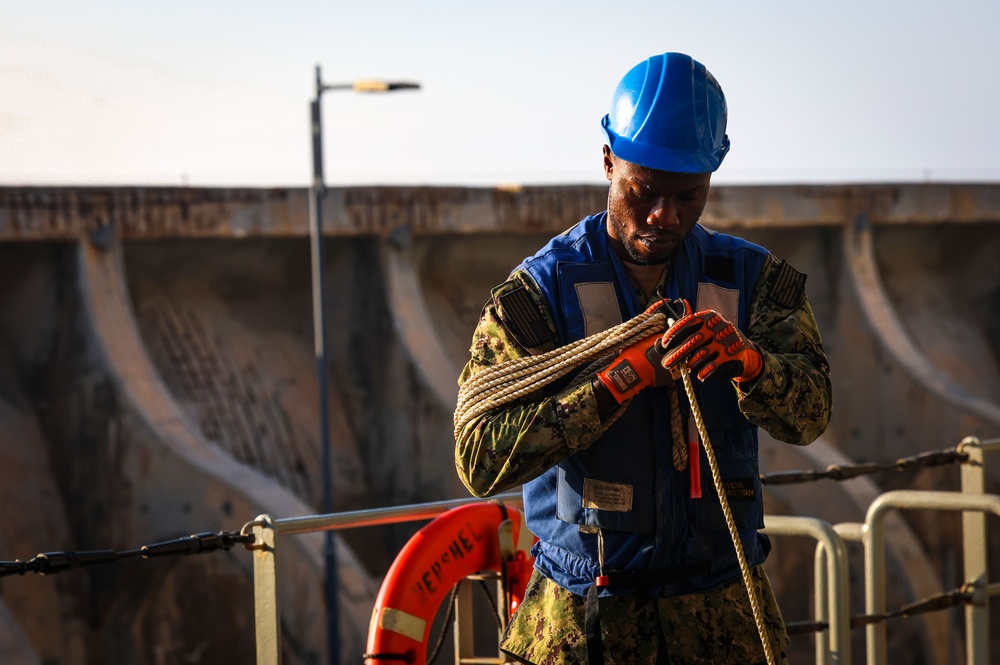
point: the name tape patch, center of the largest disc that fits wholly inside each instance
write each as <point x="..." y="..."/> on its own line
<point x="740" y="489"/>
<point x="607" y="496"/>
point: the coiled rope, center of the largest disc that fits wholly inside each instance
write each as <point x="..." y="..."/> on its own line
<point x="507" y="382"/>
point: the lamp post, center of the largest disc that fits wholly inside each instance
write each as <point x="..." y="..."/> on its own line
<point x="317" y="193"/>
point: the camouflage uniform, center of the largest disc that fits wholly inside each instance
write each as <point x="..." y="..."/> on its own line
<point x="505" y="448"/>
<point x="696" y="629"/>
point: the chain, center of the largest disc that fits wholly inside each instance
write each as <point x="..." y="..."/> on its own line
<point x="936" y="603"/>
<point x="848" y="471"/>
<point x="49" y="563"/>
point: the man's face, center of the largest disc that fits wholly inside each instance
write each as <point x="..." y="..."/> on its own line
<point x="650" y="212"/>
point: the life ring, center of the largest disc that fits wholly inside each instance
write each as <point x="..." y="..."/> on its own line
<point x="456" y="544"/>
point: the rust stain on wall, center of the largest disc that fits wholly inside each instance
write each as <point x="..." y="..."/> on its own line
<point x="55" y="213"/>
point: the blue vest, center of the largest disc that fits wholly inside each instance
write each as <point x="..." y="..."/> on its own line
<point x="625" y="483"/>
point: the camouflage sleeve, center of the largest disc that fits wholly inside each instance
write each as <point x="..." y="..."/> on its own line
<point x="517" y="442"/>
<point x="791" y="398"/>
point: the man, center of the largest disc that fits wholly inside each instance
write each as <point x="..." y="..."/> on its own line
<point x="634" y="562"/>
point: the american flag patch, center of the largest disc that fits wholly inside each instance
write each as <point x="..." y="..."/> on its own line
<point x="788" y="286"/>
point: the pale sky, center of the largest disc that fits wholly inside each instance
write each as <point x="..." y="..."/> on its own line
<point x="216" y="93"/>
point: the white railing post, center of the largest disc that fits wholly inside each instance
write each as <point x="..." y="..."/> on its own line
<point x="267" y="612"/>
<point x="974" y="556"/>
<point x="834" y="579"/>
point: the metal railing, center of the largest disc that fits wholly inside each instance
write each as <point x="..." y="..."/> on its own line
<point x="830" y="573"/>
<point x="831" y="581"/>
<point x="266" y="531"/>
<point x="832" y="600"/>
<point x="974" y="504"/>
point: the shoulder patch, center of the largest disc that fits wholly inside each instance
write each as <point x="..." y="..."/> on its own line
<point x="523" y="319"/>
<point x="787" y="286"/>
<point x="720" y="268"/>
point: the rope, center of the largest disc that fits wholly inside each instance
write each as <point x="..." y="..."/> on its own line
<point x="446" y="624"/>
<point x="741" y="556"/>
<point x="452" y="599"/>
<point x="507" y="382"/>
<point x="493" y="604"/>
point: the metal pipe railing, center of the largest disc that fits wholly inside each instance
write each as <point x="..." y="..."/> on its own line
<point x="974" y="504"/>
<point x="830" y="574"/>
<point x="266" y="530"/>
<point x="831" y="583"/>
<point x="875" y="553"/>
<point x="378" y="516"/>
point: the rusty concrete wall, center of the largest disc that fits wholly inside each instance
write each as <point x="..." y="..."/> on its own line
<point x="53" y="213"/>
<point x="217" y="283"/>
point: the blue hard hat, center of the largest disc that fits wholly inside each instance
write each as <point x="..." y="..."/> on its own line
<point x="669" y="113"/>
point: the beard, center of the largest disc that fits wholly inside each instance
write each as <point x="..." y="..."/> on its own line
<point x="629" y="242"/>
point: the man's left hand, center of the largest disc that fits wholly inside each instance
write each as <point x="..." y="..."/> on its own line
<point x="711" y="345"/>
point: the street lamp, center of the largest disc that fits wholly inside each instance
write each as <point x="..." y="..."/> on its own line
<point x="317" y="192"/>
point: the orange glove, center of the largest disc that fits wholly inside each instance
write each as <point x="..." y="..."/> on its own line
<point x="636" y="367"/>
<point x="711" y="346"/>
<point x="640" y="365"/>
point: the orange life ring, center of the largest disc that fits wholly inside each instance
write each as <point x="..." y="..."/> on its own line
<point x="458" y="543"/>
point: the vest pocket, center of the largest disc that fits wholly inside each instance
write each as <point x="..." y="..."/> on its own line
<point x="618" y="500"/>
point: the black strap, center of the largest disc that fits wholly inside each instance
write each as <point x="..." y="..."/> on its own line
<point x="401" y="657"/>
<point x="649" y="579"/>
<point x="592" y="628"/>
<point x="630" y="579"/>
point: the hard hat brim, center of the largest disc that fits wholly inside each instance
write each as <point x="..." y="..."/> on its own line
<point x="663" y="159"/>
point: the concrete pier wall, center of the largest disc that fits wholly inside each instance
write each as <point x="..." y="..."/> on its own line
<point x="157" y="379"/>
